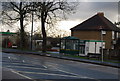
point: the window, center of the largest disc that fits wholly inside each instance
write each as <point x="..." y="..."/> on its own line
<point x="113" y="35"/>
<point x="103" y="32"/>
<point x="117" y="35"/>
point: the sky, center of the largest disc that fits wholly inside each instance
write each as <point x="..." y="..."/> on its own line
<point x="85" y="10"/>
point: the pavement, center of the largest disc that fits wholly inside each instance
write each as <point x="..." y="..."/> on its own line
<point x="60" y="56"/>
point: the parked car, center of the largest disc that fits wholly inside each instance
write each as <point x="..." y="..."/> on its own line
<point x="14" y="46"/>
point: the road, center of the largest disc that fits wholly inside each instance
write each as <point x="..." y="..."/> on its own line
<point x="35" y="67"/>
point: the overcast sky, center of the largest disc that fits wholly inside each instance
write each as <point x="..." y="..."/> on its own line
<point x="88" y="9"/>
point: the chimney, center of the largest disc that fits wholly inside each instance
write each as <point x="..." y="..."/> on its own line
<point x="100" y="13"/>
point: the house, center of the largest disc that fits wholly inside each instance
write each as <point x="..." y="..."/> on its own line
<point x="98" y="27"/>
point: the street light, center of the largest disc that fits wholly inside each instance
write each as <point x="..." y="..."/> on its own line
<point x="102" y="42"/>
<point x="32" y="32"/>
<point x="32" y="27"/>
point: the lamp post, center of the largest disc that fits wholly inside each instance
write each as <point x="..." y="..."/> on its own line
<point x="32" y="27"/>
<point x="102" y="42"/>
<point x="32" y="32"/>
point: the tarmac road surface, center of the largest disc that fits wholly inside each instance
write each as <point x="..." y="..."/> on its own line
<point x="41" y="68"/>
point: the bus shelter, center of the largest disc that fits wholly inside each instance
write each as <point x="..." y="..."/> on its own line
<point x="69" y="45"/>
<point x="73" y="45"/>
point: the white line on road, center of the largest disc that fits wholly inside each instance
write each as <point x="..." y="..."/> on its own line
<point x="23" y="61"/>
<point x="85" y="77"/>
<point x="25" y="67"/>
<point x="44" y="66"/>
<point x="13" y="58"/>
<point x="57" y="69"/>
<point x="48" y="55"/>
<point x="77" y="75"/>
<point x="22" y="75"/>
<point x="67" y="72"/>
<point x="17" y="63"/>
<point x="47" y="69"/>
<point x="9" y="57"/>
<point x="49" y="74"/>
<point x="74" y="75"/>
<point x="52" y="64"/>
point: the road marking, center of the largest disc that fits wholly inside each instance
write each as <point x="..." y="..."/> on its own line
<point x="23" y="61"/>
<point x="57" y="69"/>
<point x="48" y="55"/>
<point x="17" y="63"/>
<point x="9" y="57"/>
<point x="73" y="74"/>
<point x="25" y="67"/>
<point x="67" y="72"/>
<point x="13" y="58"/>
<point x="48" y="74"/>
<point x="70" y="72"/>
<point x="22" y="75"/>
<point x="51" y="63"/>
<point x="47" y="69"/>
<point x="29" y="65"/>
<point x="77" y="74"/>
<point x="44" y="66"/>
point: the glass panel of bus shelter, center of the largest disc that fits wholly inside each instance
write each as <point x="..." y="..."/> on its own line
<point x="82" y="47"/>
<point x="62" y="44"/>
<point x="76" y="44"/>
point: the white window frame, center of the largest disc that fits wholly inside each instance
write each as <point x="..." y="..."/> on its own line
<point x="117" y="35"/>
<point x="113" y="35"/>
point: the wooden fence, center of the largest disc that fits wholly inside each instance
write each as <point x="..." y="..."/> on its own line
<point x="112" y="54"/>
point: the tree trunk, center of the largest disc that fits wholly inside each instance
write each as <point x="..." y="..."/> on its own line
<point x="22" y="37"/>
<point x="43" y="32"/>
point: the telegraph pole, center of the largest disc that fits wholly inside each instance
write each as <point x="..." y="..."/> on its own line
<point x="102" y="43"/>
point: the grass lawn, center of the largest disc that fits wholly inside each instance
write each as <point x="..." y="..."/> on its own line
<point x="112" y="61"/>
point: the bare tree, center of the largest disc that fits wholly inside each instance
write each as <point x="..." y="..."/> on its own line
<point x="52" y="32"/>
<point x="14" y="12"/>
<point x="48" y="10"/>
